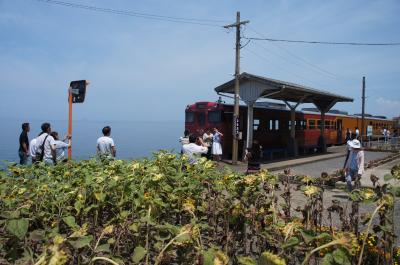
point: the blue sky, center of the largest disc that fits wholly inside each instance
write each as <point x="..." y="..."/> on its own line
<point x="149" y="70"/>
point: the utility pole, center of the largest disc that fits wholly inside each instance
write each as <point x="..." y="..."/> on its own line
<point x="235" y="122"/>
<point x="363" y="109"/>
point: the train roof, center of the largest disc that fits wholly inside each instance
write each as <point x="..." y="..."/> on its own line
<point x="282" y="107"/>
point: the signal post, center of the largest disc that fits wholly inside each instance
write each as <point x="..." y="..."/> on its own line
<point x="76" y="94"/>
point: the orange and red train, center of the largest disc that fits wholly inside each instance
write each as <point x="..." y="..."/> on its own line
<point x="271" y="125"/>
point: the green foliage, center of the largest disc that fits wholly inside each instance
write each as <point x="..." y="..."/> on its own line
<point x="160" y="211"/>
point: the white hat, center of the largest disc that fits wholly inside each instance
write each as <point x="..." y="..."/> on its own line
<point x="355" y="144"/>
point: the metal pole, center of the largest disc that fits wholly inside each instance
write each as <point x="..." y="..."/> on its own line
<point x="70" y="122"/>
<point x="362" y="131"/>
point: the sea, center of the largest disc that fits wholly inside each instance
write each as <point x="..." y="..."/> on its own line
<point x="133" y="139"/>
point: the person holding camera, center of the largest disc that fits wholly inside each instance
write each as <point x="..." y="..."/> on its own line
<point x="61" y="146"/>
<point x="194" y="148"/>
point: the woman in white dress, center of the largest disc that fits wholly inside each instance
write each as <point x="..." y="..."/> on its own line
<point x="207" y="139"/>
<point x="216" y="145"/>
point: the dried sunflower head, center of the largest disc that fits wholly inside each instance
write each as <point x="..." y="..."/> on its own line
<point x="348" y="241"/>
<point x="311" y="190"/>
<point x="271" y="259"/>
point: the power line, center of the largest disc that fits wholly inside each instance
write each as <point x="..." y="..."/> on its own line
<point x="313" y="66"/>
<point x="306" y="80"/>
<point x="328" y="42"/>
<point x="195" y="21"/>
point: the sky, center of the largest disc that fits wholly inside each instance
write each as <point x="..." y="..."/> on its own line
<point x="150" y="70"/>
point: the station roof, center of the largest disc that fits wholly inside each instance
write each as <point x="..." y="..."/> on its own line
<point x="286" y="91"/>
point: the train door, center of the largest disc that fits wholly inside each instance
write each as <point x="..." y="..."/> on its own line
<point x="339" y="127"/>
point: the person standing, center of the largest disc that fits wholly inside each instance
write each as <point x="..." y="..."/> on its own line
<point x="207" y="139"/>
<point x="385" y="134"/>
<point x="348" y="135"/>
<point x="357" y="133"/>
<point x="61" y="146"/>
<point x="216" y="145"/>
<point x="185" y="138"/>
<point x="348" y="147"/>
<point x="194" y="148"/>
<point x="46" y="146"/>
<point x="33" y="149"/>
<point x="23" y="150"/>
<point x="355" y="163"/>
<point x="253" y="158"/>
<point x="105" y="144"/>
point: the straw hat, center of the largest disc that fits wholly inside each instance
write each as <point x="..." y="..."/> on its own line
<point x="355" y="144"/>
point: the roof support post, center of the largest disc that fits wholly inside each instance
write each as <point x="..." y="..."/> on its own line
<point x="323" y="107"/>
<point x="250" y="124"/>
<point x="321" y="140"/>
<point x="293" y="147"/>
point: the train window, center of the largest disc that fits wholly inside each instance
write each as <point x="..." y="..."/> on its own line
<point x="311" y="124"/>
<point x="256" y="124"/>
<point x="214" y="116"/>
<point x="271" y="126"/>
<point x="189" y="117"/>
<point x="327" y="125"/>
<point x="276" y="124"/>
<point x="201" y="118"/>
<point x="201" y="105"/>
<point x="319" y="124"/>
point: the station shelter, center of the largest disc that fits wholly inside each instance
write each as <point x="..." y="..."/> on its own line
<point x="253" y="88"/>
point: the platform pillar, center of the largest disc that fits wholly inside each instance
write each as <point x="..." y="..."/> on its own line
<point x="293" y="146"/>
<point x="250" y="124"/>
<point x="321" y="140"/>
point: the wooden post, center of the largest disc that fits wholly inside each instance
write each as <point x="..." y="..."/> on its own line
<point x="237" y="25"/>
<point x="70" y="122"/>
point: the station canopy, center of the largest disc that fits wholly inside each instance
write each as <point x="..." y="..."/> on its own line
<point x="263" y="87"/>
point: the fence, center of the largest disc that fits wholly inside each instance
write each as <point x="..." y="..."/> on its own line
<point x="381" y="142"/>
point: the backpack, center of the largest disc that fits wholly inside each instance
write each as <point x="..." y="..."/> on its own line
<point x="40" y="152"/>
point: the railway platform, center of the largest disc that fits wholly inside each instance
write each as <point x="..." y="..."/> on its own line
<point x="275" y="165"/>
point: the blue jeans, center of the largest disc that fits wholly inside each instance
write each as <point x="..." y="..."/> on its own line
<point x="48" y="162"/>
<point x="23" y="158"/>
<point x="349" y="177"/>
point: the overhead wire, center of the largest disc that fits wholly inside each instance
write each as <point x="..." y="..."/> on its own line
<point x="312" y="66"/>
<point x="328" y="42"/>
<point x="195" y="21"/>
<point x="302" y="78"/>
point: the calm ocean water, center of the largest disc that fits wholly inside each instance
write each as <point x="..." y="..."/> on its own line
<point x="132" y="139"/>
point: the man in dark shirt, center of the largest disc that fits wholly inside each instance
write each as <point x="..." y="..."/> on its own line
<point x="23" y="150"/>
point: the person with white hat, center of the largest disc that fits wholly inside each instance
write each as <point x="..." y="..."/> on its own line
<point x="355" y="163"/>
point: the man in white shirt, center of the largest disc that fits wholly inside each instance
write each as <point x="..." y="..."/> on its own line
<point x="32" y="149"/>
<point x="194" y="148"/>
<point x="105" y="144"/>
<point x="46" y="143"/>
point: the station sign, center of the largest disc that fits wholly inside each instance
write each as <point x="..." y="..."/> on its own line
<point x="78" y="90"/>
<point x="235" y="126"/>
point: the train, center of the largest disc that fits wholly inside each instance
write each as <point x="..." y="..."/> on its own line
<point x="271" y="125"/>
